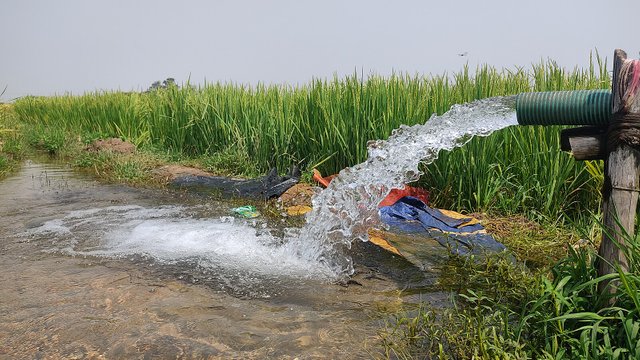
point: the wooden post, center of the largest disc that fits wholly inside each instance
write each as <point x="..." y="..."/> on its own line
<point x="585" y="143"/>
<point x="620" y="191"/>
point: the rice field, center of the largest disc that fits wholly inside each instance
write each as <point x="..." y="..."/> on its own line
<point x="326" y="124"/>
<point x="508" y="311"/>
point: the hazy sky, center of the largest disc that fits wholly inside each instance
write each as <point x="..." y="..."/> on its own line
<point x="75" y="46"/>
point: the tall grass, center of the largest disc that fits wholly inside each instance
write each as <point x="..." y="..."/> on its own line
<point x="327" y="124"/>
<point x="558" y="315"/>
<point x="516" y="170"/>
<point x="11" y="149"/>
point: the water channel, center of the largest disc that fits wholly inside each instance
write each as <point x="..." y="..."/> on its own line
<point x="94" y="270"/>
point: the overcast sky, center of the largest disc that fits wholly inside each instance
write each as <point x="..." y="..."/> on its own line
<point x="51" y="47"/>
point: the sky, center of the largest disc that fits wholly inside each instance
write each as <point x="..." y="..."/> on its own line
<point x="75" y="46"/>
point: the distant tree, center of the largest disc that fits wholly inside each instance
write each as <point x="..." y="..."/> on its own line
<point x="165" y="84"/>
<point x="169" y="82"/>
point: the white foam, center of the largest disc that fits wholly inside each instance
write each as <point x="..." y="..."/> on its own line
<point x="51" y="227"/>
<point x="167" y="235"/>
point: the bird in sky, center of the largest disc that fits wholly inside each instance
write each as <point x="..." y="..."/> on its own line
<point x="464" y="53"/>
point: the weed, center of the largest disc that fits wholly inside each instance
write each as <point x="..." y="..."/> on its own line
<point x="92" y="136"/>
<point x="4" y="163"/>
<point x="230" y="161"/>
<point x="11" y="145"/>
<point x="129" y="171"/>
<point x="555" y="315"/>
<point x="48" y="139"/>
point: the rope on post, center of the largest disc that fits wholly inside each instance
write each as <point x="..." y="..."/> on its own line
<point x="624" y="127"/>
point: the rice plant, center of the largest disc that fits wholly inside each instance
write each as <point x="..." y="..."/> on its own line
<point x="11" y="144"/>
<point x="327" y="123"/>
<point x="517" y="170"/>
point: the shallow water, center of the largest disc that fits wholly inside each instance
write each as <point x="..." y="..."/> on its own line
<point x="90" y="270"/>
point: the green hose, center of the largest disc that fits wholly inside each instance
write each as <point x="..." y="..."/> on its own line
<point x="578" y="107"/>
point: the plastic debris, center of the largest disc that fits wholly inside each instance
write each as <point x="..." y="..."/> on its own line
<point x="394" y="194"/>
<point x="324" y="181"/>
<point x="461" y="234"/>
<point x="266" y="187"/>
<point x="247" y="212"/>
<point x="412" y="215"/>
<point x="297" y="210"/>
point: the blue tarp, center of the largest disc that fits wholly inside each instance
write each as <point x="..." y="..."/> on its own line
<point x="411" y="215"/>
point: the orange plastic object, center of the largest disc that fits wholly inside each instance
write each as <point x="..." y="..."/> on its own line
<point x="392" y="198"/>
<point x="397" y="194"/>
<point x="324" y="181"/>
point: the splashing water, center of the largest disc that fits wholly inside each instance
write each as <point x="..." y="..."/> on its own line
<point x="348" y="207"/>
<point x="243" y="257"/>
<point x="236" y="256"/>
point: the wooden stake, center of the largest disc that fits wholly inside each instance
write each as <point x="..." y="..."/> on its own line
<point x="620" y="191"/>
<point x="584" y="143"/>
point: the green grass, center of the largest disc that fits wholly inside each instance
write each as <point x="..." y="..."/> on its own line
<point x="505" y="311"/>
<point x="47" y="138"/>
<point x="133" y="169"/>
<point x="11" y="143"/>
<point x="241" y="130"/>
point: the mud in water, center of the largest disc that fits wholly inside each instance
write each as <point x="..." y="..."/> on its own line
<point x="80" y="277"/>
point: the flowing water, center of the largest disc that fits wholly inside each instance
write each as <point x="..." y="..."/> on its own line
<point x="348" y="207"/>
<point x="91" y="270"/>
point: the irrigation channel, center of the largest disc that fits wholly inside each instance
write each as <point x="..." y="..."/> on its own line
<point x="91" y="269"/>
